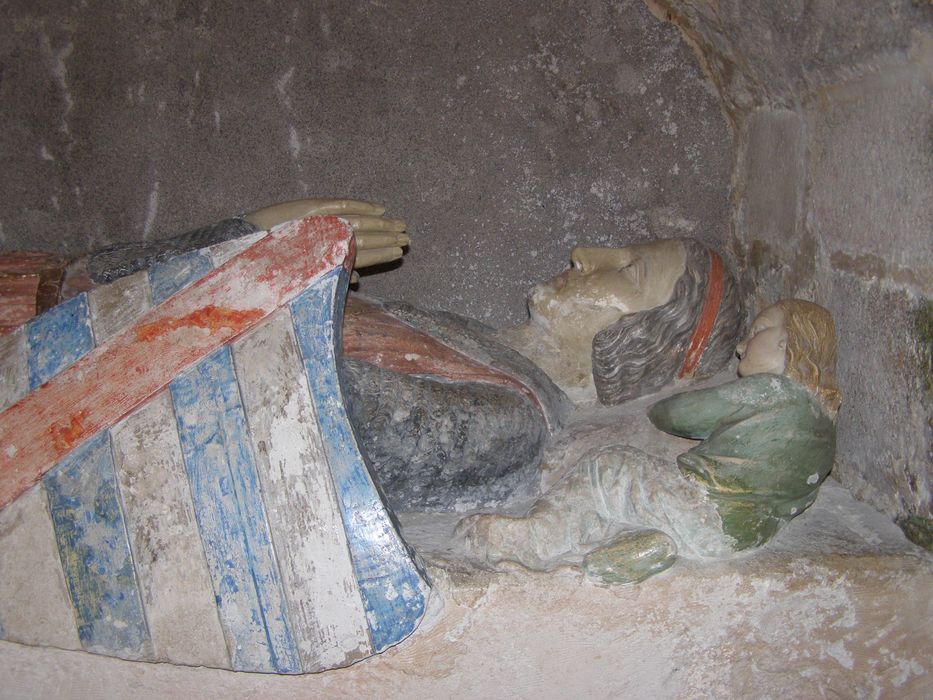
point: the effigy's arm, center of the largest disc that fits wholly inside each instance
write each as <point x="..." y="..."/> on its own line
<point x="379" y="239"/>
<point x="227" y="521"/>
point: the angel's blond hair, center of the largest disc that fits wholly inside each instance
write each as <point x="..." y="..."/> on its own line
<point x="811" y="350"/>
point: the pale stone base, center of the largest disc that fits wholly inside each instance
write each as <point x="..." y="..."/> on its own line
<point x="838" y="605"/>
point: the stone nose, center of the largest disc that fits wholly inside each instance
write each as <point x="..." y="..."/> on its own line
<point x="741" y="348"/>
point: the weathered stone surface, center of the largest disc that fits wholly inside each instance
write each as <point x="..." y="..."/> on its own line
<point x="762" y="53"/>
<point x="833" y="195"/>
<point x="448" y="417"/>
<point x="475" y="340"/>
<point x="503" y="135"/>
<point x="837" y="605"/>
<point x="770" y="181"/>
<point x="435" y="445"/>
<point x="885" y="436"/>
<point x="872" y="173"/>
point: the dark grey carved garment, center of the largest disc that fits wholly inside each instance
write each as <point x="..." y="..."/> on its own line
<point x="440" y="445"/>
<point x="124" y="259"/>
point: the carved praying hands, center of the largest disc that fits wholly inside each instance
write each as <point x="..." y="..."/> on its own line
<point x="379" y="239"/>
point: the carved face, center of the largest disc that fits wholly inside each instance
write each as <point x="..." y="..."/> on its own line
<point x="604" y="284"/>
<point x="765" y="348"/>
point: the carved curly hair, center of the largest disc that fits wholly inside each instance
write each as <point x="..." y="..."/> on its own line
<point x="641" y="352"/>
<point x="811" y="349"/>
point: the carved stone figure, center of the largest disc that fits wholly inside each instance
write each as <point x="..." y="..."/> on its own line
<point x="618" y="324"/>
<point x="179" y="480"/>
<point x="454" y="414"/>
<point x="623" y="322"/>
<point x="768" y="442"/>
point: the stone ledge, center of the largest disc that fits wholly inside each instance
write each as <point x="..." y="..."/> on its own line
<point x="838" y="605"/>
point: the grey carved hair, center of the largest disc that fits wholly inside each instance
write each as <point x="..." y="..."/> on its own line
<point x="642" y="352"/>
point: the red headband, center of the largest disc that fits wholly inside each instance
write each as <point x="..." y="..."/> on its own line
<point x="704" y="327"/>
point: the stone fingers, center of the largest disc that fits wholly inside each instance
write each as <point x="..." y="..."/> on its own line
<point x="374" y="223"/>
<point x="369" y="240"/>
<point x="377" y="256"/>
<point x="267" y="217"/>
<point x="378" y="240"/>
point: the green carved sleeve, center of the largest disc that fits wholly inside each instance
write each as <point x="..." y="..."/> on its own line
<point x="696" y="414"/>
<point x="767" y="446"/>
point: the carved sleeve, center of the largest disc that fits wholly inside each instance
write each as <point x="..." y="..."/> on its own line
<point x="695" y="414"/>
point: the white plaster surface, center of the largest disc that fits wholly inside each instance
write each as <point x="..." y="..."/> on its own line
<point x="838" y="605"/>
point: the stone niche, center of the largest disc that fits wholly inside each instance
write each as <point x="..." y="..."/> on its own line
<point x="795" y="137"/>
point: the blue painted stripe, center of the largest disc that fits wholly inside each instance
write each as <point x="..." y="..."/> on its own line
<point x="231" y="516"/>
<point x="95" y="553"/>
<point x="227" y="499"/>
<point x="226" y="494"/>
<point x="392" y="586"/>
<point x="176" y="273"/>
<point x="83" y="500"/>
<point x="57" y="339"/>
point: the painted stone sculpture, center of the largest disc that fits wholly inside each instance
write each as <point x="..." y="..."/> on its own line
<point x="202" y="498"/>
<point x="469" y="431"/>
<point x="618" y="324"/>
<point x="378" y="238"/>
<point x="768" y="442"/>
<point x="623" y="322"/>
<point x="448" y="417"/>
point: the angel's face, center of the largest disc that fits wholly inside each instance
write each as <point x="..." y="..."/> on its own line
<point x="765" y="348"/>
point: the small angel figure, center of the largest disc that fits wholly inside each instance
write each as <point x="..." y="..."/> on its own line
<point x="768" y="442"/>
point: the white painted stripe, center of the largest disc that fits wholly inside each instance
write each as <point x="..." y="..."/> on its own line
<point x="34" y="604"/>
<point x="14" y="374"/>
<point x="84" y="504"/>
<point x="118" y="304"/>
<point x="35" y="607"/>
<point x="225" y="491"/>
<point x="231" y="516"/>
<point x="392" y="584"/>
<point x="325" y="608"/>
<point x="174" y="582"/>
<point x="222" y="252"/>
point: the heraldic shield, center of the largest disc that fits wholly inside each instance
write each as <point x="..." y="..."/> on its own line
<point x="179" y="479"/>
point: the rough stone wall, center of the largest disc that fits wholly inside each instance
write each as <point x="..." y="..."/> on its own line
<point x="832" y="105"/>
<point x="504" y="133"/>
<point x="505" y="137"/>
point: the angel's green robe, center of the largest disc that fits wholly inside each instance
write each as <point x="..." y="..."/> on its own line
<point x="767" y="446"/>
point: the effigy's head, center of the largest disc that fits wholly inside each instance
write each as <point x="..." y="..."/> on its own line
<point x="604" y="283"/>
<point x="796" y="338"/>
<point x="648" y="313"/>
